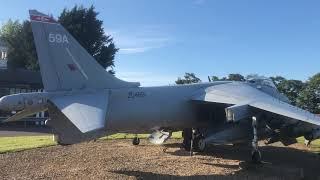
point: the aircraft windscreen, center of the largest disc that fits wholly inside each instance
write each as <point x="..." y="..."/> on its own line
<point x="261" y="80"/>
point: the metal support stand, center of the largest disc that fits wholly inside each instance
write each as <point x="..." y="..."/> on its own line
<point x="191" y="142"/>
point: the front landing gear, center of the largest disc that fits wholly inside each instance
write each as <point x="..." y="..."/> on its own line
<point x="135" y="141"/>
<point x="255" y="155"/>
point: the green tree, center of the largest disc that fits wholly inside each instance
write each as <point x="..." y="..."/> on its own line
<point x="235" y="77"/>
<point x="277" y="79"/>
<point x="309" y="98"/>
<point x="189" y="78"/>
<point x="81" y="22"/>
<point x="231" y="77"/>
<point x="21" y="48"/>
<point x="290" y="88"/>
<point x="214" y="78"/>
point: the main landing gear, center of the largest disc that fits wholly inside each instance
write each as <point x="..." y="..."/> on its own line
<point x="255" y="155"/>
<point x="193" y="141"/>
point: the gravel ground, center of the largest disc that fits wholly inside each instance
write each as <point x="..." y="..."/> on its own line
<point x="118" y="159"/>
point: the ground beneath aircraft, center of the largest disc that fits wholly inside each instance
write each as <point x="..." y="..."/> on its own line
<point x="118" y="159"/>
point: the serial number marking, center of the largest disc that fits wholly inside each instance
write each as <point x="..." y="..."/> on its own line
<point x="138" y="94"/>
<point x="58" y="38"/>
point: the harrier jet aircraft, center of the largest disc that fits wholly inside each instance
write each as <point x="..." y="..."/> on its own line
<point x="86" y="102"/>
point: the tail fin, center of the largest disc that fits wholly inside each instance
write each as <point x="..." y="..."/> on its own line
<point x="64" y="63"/>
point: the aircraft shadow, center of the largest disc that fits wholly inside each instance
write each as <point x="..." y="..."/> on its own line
<point x="274" y="159"/>
<point x="245" y="176"/>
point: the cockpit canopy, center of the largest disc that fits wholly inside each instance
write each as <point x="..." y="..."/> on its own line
<point x="261" y="80"/>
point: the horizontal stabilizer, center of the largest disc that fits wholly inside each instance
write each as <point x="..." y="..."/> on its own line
<point x="87" y="111"/>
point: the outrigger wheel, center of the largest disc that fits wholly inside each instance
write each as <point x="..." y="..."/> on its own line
<point x="135" y="141"/>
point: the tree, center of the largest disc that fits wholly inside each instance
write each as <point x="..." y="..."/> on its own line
<point x="309" y="98"/>
<point x="189" y="78"/>
<point x="290" y="88"/>
<point x="231" y="77"/>
<point x="235" y="77"/>
<point x="82" y="23"/>
<point x="215" y="78"/>
<point x="21" y="49"/>
<point x="277" y="79"/>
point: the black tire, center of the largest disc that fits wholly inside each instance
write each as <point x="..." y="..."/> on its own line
<point x="199" y="144"/>
<point x="196" y="145"/>
<point x="256" y="157"/>
<point x="135" y="141"/>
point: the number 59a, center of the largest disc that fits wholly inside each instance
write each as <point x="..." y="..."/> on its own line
<point x="58" y="38"/>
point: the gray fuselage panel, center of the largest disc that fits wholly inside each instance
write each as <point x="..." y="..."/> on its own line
<point x="147" y="108"/>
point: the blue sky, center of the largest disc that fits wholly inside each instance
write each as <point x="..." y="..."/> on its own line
<point x="160" y="40"/>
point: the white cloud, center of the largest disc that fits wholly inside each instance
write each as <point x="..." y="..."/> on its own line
<point x="139" y="39"/>
<point x="146" y="78"/>
<point x="134" y="50"/>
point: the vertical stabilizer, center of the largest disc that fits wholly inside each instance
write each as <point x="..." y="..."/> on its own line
<point x="64" y="63"/>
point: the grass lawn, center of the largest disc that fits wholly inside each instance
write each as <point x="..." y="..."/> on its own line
<point x="13" y="144"/>
<point x="315" y="145"/>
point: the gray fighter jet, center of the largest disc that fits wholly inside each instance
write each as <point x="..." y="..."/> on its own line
<point x="86" y="102"/>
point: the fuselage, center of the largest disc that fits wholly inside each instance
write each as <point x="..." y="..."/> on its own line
<point x="146" y="108"/>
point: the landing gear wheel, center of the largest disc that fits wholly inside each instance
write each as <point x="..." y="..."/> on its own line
<point x="199" y="144"/>
<point x="136" y="141"/>
<point x="256" y="157"/>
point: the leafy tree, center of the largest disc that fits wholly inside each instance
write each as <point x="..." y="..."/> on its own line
<point x="277" y="79"/>
<point x="309" y="98"/>
<point x="235" y="77"/>
<point x="81" y="22"/>
<point x="189" y="78"/>
<point x="215" y="78"/>
<point x="21" y="49"/>
<point x="291" y="88"/>
<point x="231" y="77"/>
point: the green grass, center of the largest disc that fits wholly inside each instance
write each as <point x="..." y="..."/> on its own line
<point x="13" y="144"/>
<point x="315" y="145"/>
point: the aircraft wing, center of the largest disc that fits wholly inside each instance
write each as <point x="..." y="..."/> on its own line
<point x="239" y="94"/>
<point x="281" y="108"/>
